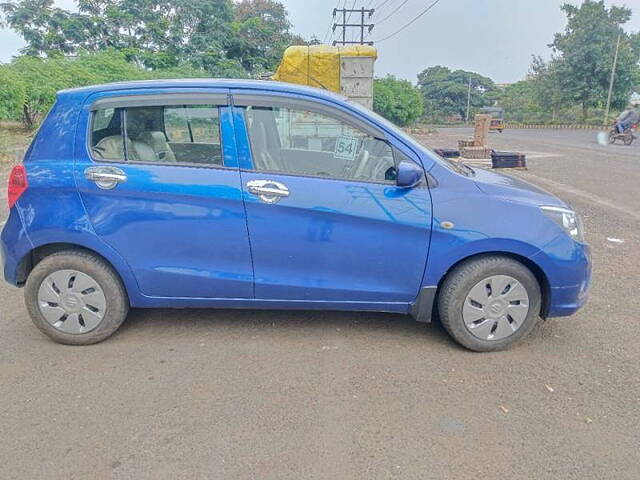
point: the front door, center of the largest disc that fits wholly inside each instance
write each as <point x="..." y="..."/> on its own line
<point x="159" y="180"/>
<point x="326" y="220"/>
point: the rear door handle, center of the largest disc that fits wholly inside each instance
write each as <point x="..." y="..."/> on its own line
<point x="105" y="177"/>
<point x="269" y="191"/>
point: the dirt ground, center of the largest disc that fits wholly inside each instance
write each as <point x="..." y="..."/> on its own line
<point x="306" y="395"/>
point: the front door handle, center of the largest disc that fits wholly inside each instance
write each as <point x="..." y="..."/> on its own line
<point x="269" y="191"/>
<point x="105" y="177"/>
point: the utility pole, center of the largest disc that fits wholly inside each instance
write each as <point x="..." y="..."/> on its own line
<point x="345" y="25"/>
<point x="468" y="100"/>
<point x="613" y="74"/>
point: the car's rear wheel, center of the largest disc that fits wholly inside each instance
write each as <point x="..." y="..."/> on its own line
<point x="75" y="298"/>
<point x="489" y="303"/>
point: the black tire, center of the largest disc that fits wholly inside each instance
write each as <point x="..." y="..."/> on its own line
<point x="459" y="283"/>
<point x="613" y="135"/>
<point x="628" y="140"/>
<point x="117" y="301"/>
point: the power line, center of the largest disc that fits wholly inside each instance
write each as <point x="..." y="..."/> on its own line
<point x="344" y="7"/>
<point x="353" y="5"/>
<point x="410" y="23"/>
<point x="336" y="8"/>
<point x="326" y="34"/>
<point x="367" y="7"/>
<point x="381" y="4"/>
<point x="393" y="12"/>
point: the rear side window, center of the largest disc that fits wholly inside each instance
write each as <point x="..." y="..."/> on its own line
<point x="188" y="135"/>
<point x="192" y="124"/>
<point x="103" y="118"/>
<point x="177" y="124"/>
<point x="106" y="135"/>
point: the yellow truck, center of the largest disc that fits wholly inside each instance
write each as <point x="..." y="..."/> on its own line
<point x="497" y="117"/>
<point x="347" y="70"/>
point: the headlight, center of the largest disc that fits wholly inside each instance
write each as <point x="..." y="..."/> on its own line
<point x="569" y="220"/>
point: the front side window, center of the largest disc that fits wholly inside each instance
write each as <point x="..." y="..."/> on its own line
<point x="158" y="134"/>
<point x="302" y="142"/>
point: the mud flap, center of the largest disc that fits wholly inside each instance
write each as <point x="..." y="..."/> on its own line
<point x="422" y="308"/>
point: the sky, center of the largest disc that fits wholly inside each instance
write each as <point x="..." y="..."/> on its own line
<point x="495" y="38"/>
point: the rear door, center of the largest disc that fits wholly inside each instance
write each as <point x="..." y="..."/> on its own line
<point x="326" y="220"/>
<point x="159" y="179"/>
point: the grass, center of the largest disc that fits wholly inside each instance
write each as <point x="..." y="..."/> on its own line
<point x="13" y="143"/>
<point x="422" y="129"/>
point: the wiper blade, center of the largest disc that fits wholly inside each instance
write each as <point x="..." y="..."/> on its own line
<point x="470" y="170"/>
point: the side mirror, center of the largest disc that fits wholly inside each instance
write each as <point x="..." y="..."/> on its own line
<point x="408" y="175"/>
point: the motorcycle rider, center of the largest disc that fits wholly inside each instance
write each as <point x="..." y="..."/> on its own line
<point x="628" y="118"/>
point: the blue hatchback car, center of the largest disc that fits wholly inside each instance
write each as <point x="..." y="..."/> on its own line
<point x="253" y="194"/>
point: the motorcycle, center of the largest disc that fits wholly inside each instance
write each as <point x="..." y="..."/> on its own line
<point x="627" y="136"/>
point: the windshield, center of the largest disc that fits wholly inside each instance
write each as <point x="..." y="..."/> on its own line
<point x="390" y="125"/>
<point x="457" y="167"/>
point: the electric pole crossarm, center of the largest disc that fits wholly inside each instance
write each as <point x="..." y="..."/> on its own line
<point x="349" y="42"/>
<point x="344" y="25"/>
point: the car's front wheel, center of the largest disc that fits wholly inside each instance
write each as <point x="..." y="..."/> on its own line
<point x="489" y="303"/>
<point x="75" y="298"/>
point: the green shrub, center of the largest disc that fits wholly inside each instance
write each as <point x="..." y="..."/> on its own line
<point x="397" y="100"/>
<point x="32" y="82"/>
<point x="12" y="94"/>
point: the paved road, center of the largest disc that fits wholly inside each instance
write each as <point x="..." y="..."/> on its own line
<point x="231" y="394"/>
<point x="572" y="157"/>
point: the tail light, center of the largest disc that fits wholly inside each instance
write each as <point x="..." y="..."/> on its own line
<point x="17" y="184"/>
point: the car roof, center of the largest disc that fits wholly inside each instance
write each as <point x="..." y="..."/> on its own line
<point x="266" y="85"/>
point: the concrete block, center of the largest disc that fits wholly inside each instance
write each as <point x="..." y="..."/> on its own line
<point x="476" y="152"/>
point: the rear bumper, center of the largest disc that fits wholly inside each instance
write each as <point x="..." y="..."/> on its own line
<point x="14" y="245"/>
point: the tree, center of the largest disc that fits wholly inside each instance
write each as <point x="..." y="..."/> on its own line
<point x="445" y="92"/>
<point x="218" y="35"/>
<point x="586" y="50"/>
<point x="546" y="83"/>
<point x="262" y="33"/>
<point x="397" y="100"/>
<point x="45" y="28"/>
<point x="157" y="34"/>
<point x="635" y="45"/>
<point x="519" y="103"/>
<point x="32" y="82"/>
<point x="42" y="80"/>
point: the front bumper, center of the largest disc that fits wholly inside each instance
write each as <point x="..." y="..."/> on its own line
<point x="567" y="266"/>
<point x="566" y="301"/>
